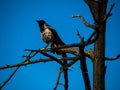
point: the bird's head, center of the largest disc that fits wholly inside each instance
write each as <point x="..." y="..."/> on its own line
<point x="40" y="22"/>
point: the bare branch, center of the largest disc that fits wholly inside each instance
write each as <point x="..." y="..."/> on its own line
<point x="84" y="67"/>
<point x="43" y="51"/>
<point x="75" y="51"/>
<point x="65" y="71"/>
<point x="63" y="64"/>
<point x="10" y="77"/>
<point x="90" y="40"/>
<point x="74" y="61"/>
<point x="88" y="53"/>
<point x="109" y="13"/>
<point x="83" y="21"/>
<point x="52" y="57"/>
<point x="67" y="48"/>
<point x="114" y="58"/>
<point x="25" y="63"/>
<point x="57" y="82"/>
<point x="35" y="61"/>
<point x="85" y="73"/>
<point x="31" y="54"/>
<point x="78" y="34"/>
<point x="93" y="6"/>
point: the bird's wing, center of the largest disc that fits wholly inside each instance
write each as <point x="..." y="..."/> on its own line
<point x="57" y="37"/>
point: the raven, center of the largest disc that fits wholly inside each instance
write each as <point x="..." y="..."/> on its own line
<point x="49" y="35"/>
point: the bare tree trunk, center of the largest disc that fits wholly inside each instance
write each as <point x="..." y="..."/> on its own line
<point x="98" y="10"/>
<point x="99" y="62"/>
<point x="99" y="50"/>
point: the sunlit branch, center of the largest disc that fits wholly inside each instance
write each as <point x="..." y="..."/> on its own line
<point x="67" y="48"/>
<point x="31" y="54"/>
<point x="35" y="61"/>
<point x="25" y="63"/>
<point x="83" y="21"/>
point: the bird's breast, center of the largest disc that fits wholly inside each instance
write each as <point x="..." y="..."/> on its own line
<point x="47" y="35"/>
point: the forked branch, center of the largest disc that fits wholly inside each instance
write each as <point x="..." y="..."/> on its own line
<point x="109" y="13"/>
<point x="83" y="21"/>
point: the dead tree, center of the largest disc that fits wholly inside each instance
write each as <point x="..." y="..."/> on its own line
<point x="97" y="56"/>
<point x="98" y="9"/>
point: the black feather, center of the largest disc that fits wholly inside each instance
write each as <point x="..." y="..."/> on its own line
<point x="54" y="39"/>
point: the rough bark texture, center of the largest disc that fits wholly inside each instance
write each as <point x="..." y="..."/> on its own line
<point x="84" y="68"/>
<point x="99" y="51"/>
<point x="98" y="10"/>
<point x="99" y="63"/>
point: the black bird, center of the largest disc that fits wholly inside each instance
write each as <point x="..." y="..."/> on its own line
<point x="49" y="35"/>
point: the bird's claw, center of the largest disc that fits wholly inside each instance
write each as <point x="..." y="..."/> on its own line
<point x="43" y="50"/>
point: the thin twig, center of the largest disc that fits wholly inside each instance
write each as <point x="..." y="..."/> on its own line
<point x="52" y="57"/>
<point x="83" y="21"/>
<point x="109" y="13"/>
<point x="58" y="79"/>
<point x="35" y="61"/>
<point x="31" y="54"/>
<point x="25" y="63"/>
<point x="74" y="61"/>
<point x="90" y="40"/>
<point x="78" y="34"/>
<point x="114" y="58"/>
<point x="10" y="77"/>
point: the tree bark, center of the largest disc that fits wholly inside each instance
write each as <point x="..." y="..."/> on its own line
<point x="98" y="10"/>
<point x="99" y="62"/>
<point x="99" y="49"/>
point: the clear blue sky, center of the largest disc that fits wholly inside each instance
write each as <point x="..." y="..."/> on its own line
<point x="19" y="30"/>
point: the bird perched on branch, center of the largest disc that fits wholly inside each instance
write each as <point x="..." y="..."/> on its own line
<point x="49" y="35"/>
